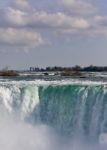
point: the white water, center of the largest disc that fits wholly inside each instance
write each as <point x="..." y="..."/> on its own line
<point x="17" y="135"/>
<point x="20" y="101"/>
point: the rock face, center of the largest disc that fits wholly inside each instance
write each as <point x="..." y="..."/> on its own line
<point x="9" y="73"/>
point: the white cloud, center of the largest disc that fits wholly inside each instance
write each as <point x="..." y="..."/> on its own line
<point x="58" y="20"/>
<point x="78" y="6"/>
<point x="55" y="22"/>
<point x="42" y="19"/>
<point x="15" y="17"/>
<point x="20" y="38"/>
<point x="18" y="24"/>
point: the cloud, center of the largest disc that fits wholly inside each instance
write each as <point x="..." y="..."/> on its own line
<point x="60" y="22"/>
<point x="14" y="17"/>
<point x="41" y="19"/>
<point x="54" y="22"/>
<point x="100" y="20"/>
<point x="20" y="4"/>
<point x="78" y="6"/>
<point x="23" y="27"/>
<point x="20" y="38"/>
<point x="57" y="20"/>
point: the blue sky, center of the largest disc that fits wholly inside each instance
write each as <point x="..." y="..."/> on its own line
<point x="48" y="33"/>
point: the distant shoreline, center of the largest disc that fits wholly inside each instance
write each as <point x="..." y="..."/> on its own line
<point x="62" y="71"/>
<point x="90" y="68"/>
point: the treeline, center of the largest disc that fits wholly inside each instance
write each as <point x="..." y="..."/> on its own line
<point x="90" y="68"/>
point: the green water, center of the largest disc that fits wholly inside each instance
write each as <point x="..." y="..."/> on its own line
<point x="71" y="109"/>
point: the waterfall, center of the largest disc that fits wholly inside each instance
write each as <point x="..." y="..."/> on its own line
<point x="71" y="109"/>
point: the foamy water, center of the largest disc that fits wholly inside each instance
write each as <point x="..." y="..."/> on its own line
<point x="56" y="115"/>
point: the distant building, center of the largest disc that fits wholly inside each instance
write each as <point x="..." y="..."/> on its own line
<point x="33" y="69"/>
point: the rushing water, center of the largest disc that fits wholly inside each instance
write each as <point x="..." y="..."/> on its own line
<point x="53" y="115"/>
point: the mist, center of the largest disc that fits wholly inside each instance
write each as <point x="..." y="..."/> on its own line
<point x="19" y="135"/>
<point x="22" y="127"/>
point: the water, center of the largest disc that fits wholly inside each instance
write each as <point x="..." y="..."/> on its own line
<point x="38" y="114"/>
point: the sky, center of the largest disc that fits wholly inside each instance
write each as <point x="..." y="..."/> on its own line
<point x="40" y="33"/>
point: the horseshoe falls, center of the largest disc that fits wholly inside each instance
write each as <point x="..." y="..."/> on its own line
<point x="53" y="115"/>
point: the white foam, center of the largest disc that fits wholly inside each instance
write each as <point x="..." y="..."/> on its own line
<point x="57" y="82"/>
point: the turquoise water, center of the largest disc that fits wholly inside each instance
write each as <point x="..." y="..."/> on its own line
<point x="68" y="111"/>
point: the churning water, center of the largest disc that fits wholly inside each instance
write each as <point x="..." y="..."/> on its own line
<point x="59" y="115"/>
